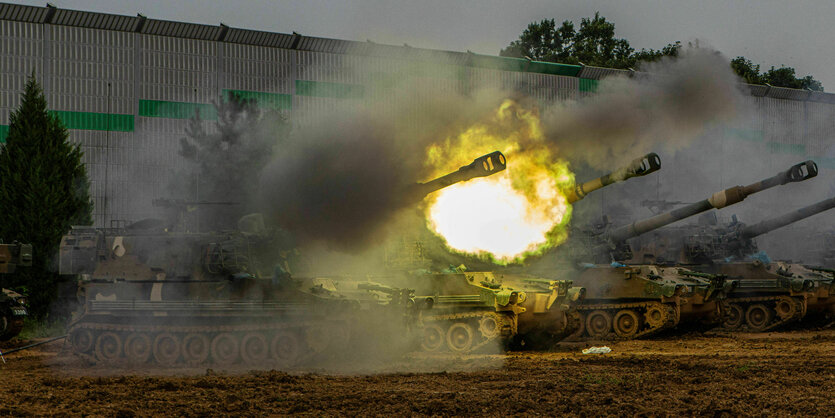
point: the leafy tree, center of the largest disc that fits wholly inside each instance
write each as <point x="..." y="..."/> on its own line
<point x="746" y="69"/>
<point x="593" y="44"/>
<point x="543" y="41"/>
<point x="650" y="55"/>
<point x="229" y="160"/>
<point x="778" y="77"/>
<point x="44" y="190"/>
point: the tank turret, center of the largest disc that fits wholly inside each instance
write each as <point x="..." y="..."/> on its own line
<point x="647" y="164"/>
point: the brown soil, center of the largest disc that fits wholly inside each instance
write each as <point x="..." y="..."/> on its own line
<point x="742" y="374"/>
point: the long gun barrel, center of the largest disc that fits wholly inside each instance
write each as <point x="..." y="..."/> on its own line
<point x="483" y="166"/>
<point x="769" y="225"/>
<point x="727" y="197"/>
<point x="649" y="163"/>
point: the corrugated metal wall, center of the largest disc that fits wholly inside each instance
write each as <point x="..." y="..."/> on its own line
<point x="128" y="89"/>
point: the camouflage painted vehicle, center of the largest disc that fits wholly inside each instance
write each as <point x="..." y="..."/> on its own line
<point x="769" y="294"/>
<point x="637" y="300"/>
<point x="228" y="297"/>
<point x="626" y="301"/>
<point x="12" y="304"/>
<point x="473" y="310"/>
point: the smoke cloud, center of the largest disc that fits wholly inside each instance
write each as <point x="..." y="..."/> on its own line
<point x="343" y="177"/>
<point x="667" y="107"/>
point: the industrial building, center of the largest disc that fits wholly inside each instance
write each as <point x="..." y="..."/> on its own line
<point x="126" y="87"/>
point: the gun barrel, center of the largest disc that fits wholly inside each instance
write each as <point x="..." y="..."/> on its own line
<point x="483" y="166"/>
<point x="649" y="163"/>
<point x="727" y="197"/>
<point x="769" y="225"/>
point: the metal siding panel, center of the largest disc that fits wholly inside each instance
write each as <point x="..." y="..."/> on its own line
<point x="14" y="12"/>
<point x="789" y="94"/>
<point x="596" y="73"/>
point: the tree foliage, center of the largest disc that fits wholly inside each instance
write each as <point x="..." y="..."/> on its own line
<point x="228" y="160"/>
<point x="44" y="190"/>
<point x="778" y="77"/>
<point x="594" y="43"/>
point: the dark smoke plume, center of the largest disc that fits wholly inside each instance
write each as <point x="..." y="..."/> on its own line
<point x="338" y="181"/>
<point x="627" y="116"/>
<point x="343" y="179"/>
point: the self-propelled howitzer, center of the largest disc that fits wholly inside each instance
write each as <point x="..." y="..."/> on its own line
<point x="769" y="294"/>
<point x="617" y="237"/>
<point x="632" y="301"/>
<point x="12" y="304"/>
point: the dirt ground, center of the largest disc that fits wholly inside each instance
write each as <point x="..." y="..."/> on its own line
<point x="708" y="375"/>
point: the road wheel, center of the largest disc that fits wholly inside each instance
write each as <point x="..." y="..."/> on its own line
<point x="433" y="337"/>
<point x="108" y="347"/>
<point x="138" y="348"/>
<point x="598" y="324"/>
<point x="196" y="349"/>
<point x="786" y="308"/>
<point x="81" y="340"/>
<point x="254" y="349"/>
<point x="734" y="316"/>
<point x="4" y="323"/>
<point x="489" y="327"/>
<point x="286" y="348"/>
<point x="655" y="316"/>
<point x="166" y="349"/>
<point x="317" y="338"/>
<point x="460" y="337"/>
<point x="627" y="323"/>
<point x="758" y="317"/>
<point x="225" y="349"/>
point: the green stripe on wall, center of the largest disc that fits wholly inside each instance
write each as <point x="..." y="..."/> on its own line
<point x="324" y="89"/>
<point x="499" y="63"/>
<point x="589" y="85"/>
<point x="554" y="68"/>
<point x="95" y="121"/>
<point x="796" y="149"/>
<point x="778" y="148"/>
<point x="176" y="110"/>
<point x="4" y="132"/>
<point x="276" y="101"/>
<point x="825" y="162"/>
<point x="750" y="135"/>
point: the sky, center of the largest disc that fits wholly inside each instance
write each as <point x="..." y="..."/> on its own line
<point x="797" y="33"/>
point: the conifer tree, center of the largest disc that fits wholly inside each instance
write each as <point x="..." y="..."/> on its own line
<point x="44" y="190"/>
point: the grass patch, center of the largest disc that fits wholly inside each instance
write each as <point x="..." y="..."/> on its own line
<point x="42" y="329"/>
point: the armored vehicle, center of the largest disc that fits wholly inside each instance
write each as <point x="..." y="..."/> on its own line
<point x="636" y="300"/>
<point x="227" y="297"/>
<point x="473" y="310"/>
<point x="12" y="304"/>
<point x="769" y="294"/>
<point x="480" y="309"/>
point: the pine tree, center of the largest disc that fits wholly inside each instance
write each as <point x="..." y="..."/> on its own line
<point x="43" y="190"/>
